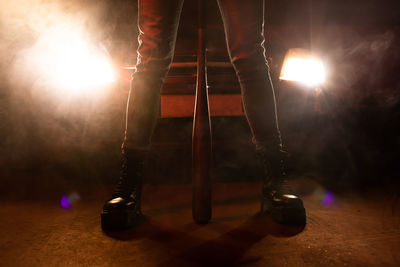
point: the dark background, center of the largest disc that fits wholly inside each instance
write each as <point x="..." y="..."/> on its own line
<point x="352" y="143"/>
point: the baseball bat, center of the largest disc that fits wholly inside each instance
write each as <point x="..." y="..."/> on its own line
<point x="201" y="138"/>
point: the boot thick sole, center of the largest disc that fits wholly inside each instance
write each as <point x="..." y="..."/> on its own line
<point x="290" y="213"/>
<point x="119" y="220"/>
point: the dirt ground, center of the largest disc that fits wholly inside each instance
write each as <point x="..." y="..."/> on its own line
<point x="360" y="229"/>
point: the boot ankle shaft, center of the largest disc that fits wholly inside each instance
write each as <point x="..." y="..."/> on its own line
<point x="273" y="164"/>
<point x="131" y="175"/>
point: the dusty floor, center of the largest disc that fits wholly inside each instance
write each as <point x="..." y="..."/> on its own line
<point x="347" y="230"/>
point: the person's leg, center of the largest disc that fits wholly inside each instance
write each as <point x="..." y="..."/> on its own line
<point x="244" y="26"/>
<point x="244" y="29"/>
<point x="158" y="23"/>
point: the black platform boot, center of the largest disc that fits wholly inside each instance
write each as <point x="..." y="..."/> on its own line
<point x="123" y="209"/>
<point x="278" y="199"/>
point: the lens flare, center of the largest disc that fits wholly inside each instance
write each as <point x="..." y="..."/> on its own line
<point x="65" y="56"/>
<point x="300" y="66"/>
<point x="68" y="201"/>
<point x="328" y="199"/>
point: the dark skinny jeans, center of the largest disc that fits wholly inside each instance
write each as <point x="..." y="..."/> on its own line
<point x="243" y="23"/>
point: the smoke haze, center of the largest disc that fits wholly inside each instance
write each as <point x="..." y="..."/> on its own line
<point x="41" y="125"/>
<point x="37" y="118"/>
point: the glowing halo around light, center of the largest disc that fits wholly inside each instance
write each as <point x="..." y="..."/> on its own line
<point x="300" y="66"/>
<point x="66" y="58"/>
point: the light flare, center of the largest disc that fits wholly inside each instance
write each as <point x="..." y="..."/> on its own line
<point x="68" y="201"/>
<point x="328" y="199"/>
<point x="66" y="58"/>
<point x="300" y="66"/>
